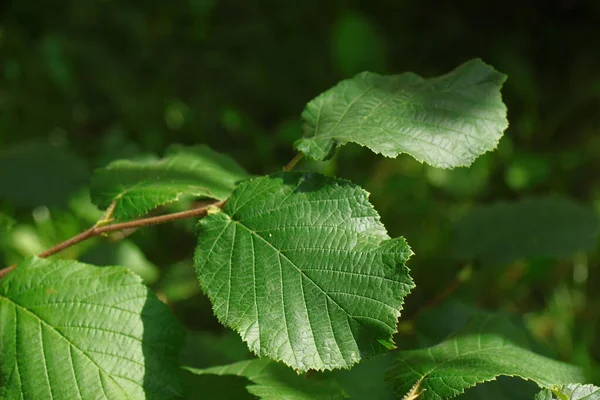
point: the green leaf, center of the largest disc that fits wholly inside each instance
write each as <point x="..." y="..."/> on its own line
<point x="551" y="227"/>
<point x="123" y="252"/>
<point x="446" y="121"/>
<point x="137" y="187"/>
<point x="70" y="331"/>
<point x="570" y="392"/>
<point x="6" y="225"/>
<point x="300" y="265"/>
<point x="544" y="395"/>
<point x="273" y="381"/>
<point x="37" y="173"/>
<point x="487" y="347"/>
<point x="366" y="380"/>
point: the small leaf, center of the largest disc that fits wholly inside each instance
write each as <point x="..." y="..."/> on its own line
<point x="137" y="187"/>
<point x="487" y="347"/>
<point x="446" y="121"/>
<point x="570" y="392"/>
<point x="273" y="381"/>
<point x="544" y="395"/>
<point x="300" y="265"/>
<point x="551" y="227"/>
<point x="71" y="331"/>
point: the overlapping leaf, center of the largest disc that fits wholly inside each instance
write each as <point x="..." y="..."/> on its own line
<point x="273" y="381"/>
<point x="73" y="331"/>
<point x="551" y="227"/>
<point x="135" y="187"/>
<point x="446" y="121"/>
<point x="487" y="347"/>
<point x="300" y="265"/>
<point x="570" y="392"/>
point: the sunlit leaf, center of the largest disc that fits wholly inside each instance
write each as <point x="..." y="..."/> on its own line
<point x="74" y="331"/>
<point x="446" y="121"/>
<point x="570" y="392"/>
<point x="300" y="265"/>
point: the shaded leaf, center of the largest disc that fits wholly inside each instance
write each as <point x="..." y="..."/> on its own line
<point x="300" y="265"/>
<point x="446" y="121"/>
<point x="126" y="253"/>
<point x="70" y="330"/>
<point x="366" y="380"/>
<point x="277" y="382"/>
<point x="36" y="173"/>
<point x="137" y="187"/>
<point x="485" y="348"/>
<point x="544" y="226"/>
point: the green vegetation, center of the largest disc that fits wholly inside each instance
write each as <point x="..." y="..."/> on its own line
<point x="178" y="219"/>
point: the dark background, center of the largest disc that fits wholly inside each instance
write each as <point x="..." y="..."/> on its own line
<point x="86" y="82"/>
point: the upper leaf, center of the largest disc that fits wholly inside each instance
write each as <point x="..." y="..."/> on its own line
<point x="74" y="331"/>
<point x="135" y="187"/>
<point x="551" y="227"/>
<point x="274" y="381"/>
<point x="485" y="348"/>
<point x="300" y="265"/>
<point x="446" y="121"/>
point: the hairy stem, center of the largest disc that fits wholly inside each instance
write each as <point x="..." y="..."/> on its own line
<point x="99" y="230"/>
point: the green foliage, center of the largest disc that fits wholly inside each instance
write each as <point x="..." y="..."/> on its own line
<point x="274" y="381"/>
<point x="446" y="121"/>
<point x="71" y="330"/>
<point x="570" y="392"/>
<point x="301" y="267"/>
<point x="132" y="188"/>
<point x="46" y="174"/>
<point x="548" y="226"/>
<point x="488" y="346"/>
<point x="299" y="264"/>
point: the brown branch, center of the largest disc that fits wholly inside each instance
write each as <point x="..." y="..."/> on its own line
<point x="99" y="230"/>
<point x="293" y="162"/>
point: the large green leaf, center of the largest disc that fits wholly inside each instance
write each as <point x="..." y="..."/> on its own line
<point x="446" y="121"/>
<point x="300" y="265"/>
<point x="487" y="347"/>
<point x="137" y="187"/>
<point x="273" y="381"/>
<point x="570" y="392"/>
<point x="74" y="331"/>
<point x="509" y="231"/>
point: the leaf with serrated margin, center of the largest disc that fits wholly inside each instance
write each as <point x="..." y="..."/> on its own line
<point x="132" y="188"/>
<point x="570" y="392"/>
<point x="74" y="331"/>
<point x="487" y="347"/>
<point x="273" y="381"/>
<point x="446" y="121"/>
<point x="301" y="267"/>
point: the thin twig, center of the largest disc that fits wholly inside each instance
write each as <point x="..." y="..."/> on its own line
<point x="293" y="162"/>
<point x="99" y="230"/>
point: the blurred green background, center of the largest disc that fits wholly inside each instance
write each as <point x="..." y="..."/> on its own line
<point x="90" y="81"/>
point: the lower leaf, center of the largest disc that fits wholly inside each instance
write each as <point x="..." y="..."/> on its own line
<point x="74" y="331"/>
<point x="487" y="347"/>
